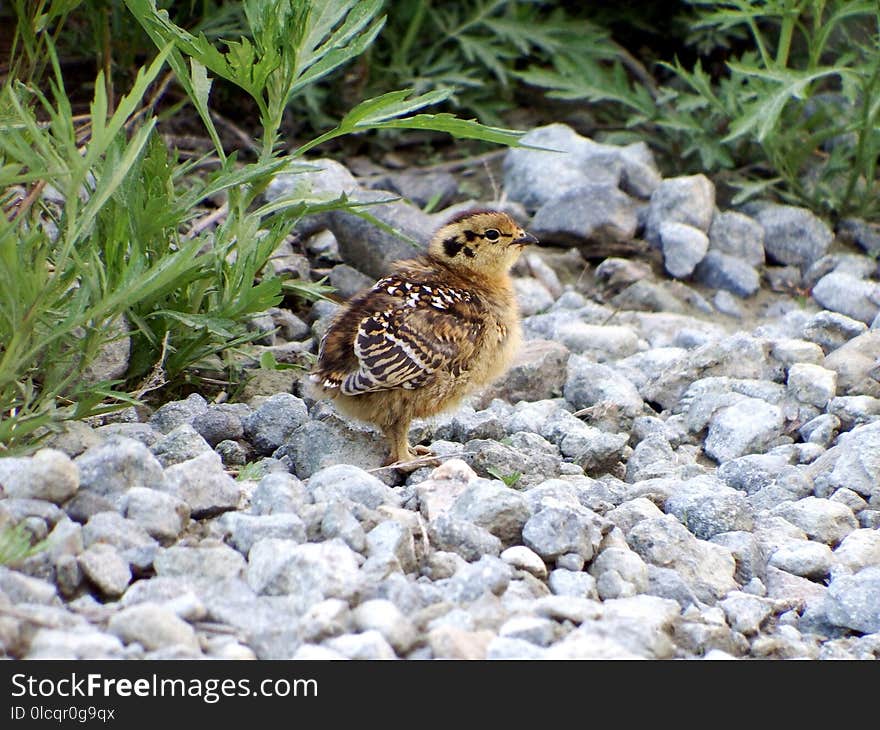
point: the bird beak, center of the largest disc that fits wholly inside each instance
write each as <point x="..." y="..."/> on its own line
<point x="525" y="240"/>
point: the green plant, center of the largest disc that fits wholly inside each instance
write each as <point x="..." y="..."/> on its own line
<point x="17" y="544"/>
<point x="509" y="479"/>
<point x="120" y="255"/>
<point x="797" y="113"/>
<point x="472" y="48"/>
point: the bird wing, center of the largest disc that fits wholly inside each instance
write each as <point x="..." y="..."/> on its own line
<point x="403" y="345"/>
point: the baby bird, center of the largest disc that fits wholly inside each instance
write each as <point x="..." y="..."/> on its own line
<point x="435" y="329"/>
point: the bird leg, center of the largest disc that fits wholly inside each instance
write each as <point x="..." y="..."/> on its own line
<point x="401" y="452"/>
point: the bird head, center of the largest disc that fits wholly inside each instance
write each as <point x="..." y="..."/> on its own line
<point x="483" y="241"/>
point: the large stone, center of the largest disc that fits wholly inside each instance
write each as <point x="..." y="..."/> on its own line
<point x="849" y="295"/>
<point x="821" y="519"/>
<point x="154" y="627"/>
<point x="683" y="248"/>
<point x="537" y="372"/>
<point x="721" y="271"/>
<point x="558" y="530"/>
<point x="739" y="236"/>
<point x="204" y="485"/>
<point x="495" y="507"/>
<point x="274" y="421"/>
<point x="750" y="425"/>
<point x="312" y="572"/>
<point x="853" y="601"/>
<point x="49" y="475"/>
<point x="589" y="212"/>
<point x="343" y="481"/>
<point x="689" y="200"/>
<point x="856" y="365"/>
<point x="706" y="567"/>
<point x="117" y="465"/>
<point x="707" y="507"/>
<point x="793" y="235"/>
<point x="535" y="176"/>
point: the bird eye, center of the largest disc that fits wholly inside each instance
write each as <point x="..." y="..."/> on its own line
<point x="492" y="234"/>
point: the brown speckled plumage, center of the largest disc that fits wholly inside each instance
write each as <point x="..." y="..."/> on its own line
<point x="432" y="331"/>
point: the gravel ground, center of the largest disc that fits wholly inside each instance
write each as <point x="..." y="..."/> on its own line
<point x="684" y="462"/>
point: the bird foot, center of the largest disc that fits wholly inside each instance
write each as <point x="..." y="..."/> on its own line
<point x="411" y="459"/>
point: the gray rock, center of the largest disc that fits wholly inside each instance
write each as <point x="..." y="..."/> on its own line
<point x="219" y="423"/>
<point x="127" y="536"/>
<point x="117" y="465"/>
<point x="626" y="565"/>
<point x="793" y="235"/>
<point x="804" y="558"/>
<point x="746" y="613"/>
<point x="74" y="644"/>
<point x="753" y="472"/>
<point x="244" y="529"/>
<point x="383" y="616"/>
<point x="707" y="507"/>
<point x="706" y="567"/>
<point x="368" y="645"/>
<point x="849" y="295"/>
<point x="322" y="179"/>
<point x="338" y="521"/>
<point x="49" y="475"/>
<point x="830" y="330"/>
<point x="421" y="188"/>
<point x="750" y="425"/>
<point x="470" y="541"/>
<point x="212" y="561"/>
<point x="852" y="410"/>
<point x="812" y="384"/>
<point x="689" y="200"/>
<point x="371" y="249"/>
<point x="652" y="457"/>
<point x="725" y="303"/>
<point x="522" y="558"/>
<point x="640" y="176"/>
<point x="274" y="422"/>
<point x="533" y="629"/>
<point x="279" y="492"/>
<point x="162" y="515"/>
<point x="20" y="588"/>
<point x="174" y="414"/>
<point x="821" y="519"/>
<point x="204" y="485"/>
<point x="821" y="430"/>
<point x="856" y="365"/>
<point x="789" y="351"/>
<point x="106" y="569"/>
<point x="633" y="511"/>
<point x="487" y="576"/>
<point x="532" y="296"/>
<point x="311" y="572"/>
<point x="538" y="371"/>
<point x="348" y="281"/>
<point x="853" y="601"/>
<point x="392" y="541"/>
<point x="739" y="236"/>
<point x="860" y="549"/>
<point x="683" y="247"/>
<point x="558" y="530"/>
<point x="341" y="443"/>
<point x="534" y="177"/>
<point x="179" y="445"/>
<point x="588" y="212"/>
<point x="154" y="627"/>
<point x="590" y="384"/>
<point x="495" y="507"/>
<point x="848" y="497"/>
<point x="570" y="583"/>
<point x="721" y="271"/>
<point x="343" y="481"/>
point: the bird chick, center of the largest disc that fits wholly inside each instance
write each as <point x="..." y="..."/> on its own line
<point x="435" y="329"/>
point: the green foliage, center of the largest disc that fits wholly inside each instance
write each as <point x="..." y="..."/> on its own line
<point x="797" y="113"/>
<point x="472" y="48"/>
<point x="120" y="255"/>
<point x="509" y="479"/>
<point x="16" y="544"/>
